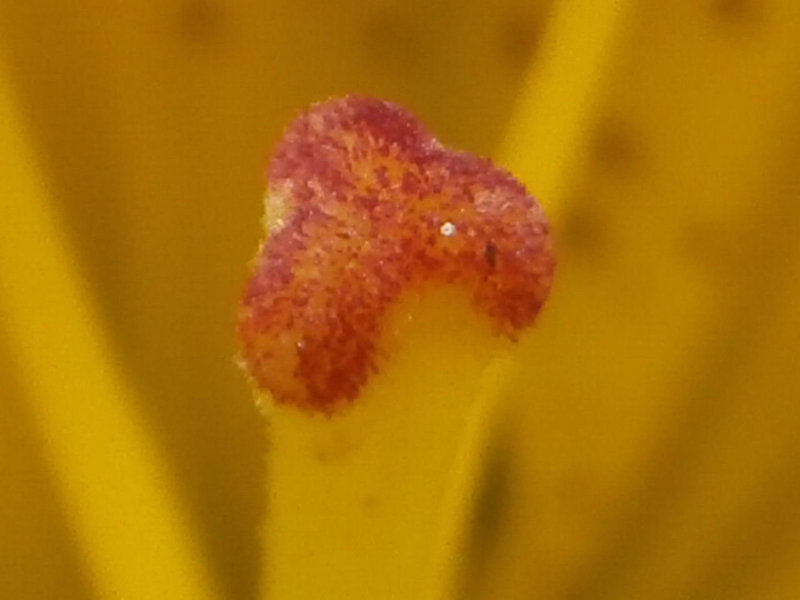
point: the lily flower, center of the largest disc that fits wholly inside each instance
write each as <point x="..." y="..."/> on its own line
<point x="640" y="444"/>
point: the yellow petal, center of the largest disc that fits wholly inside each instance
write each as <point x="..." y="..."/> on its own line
<point x="119" y="498"/>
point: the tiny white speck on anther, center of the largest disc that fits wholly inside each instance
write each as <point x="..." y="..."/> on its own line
<point x="447" y="229"/>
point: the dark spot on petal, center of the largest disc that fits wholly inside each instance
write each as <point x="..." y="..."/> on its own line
<point x="582" y="231"/>
<point x="200" y="22"/>
<point x="519" y="37"/>
<point x="736" y="11"/>
<point x="615" y="146"/>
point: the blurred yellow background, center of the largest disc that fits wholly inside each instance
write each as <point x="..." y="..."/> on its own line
<point x="650" y="447"/>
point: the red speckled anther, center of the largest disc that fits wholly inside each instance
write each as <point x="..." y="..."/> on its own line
<point x="363" y="203"/>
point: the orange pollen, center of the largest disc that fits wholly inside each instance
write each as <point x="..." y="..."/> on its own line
<point x="364" y="203"/>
